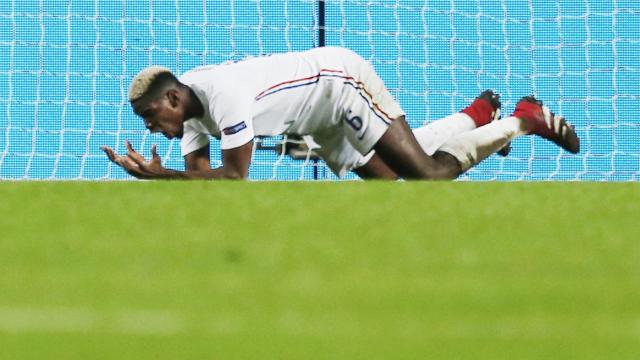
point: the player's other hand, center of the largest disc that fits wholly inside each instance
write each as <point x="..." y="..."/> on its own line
<point x="135" y="164"/>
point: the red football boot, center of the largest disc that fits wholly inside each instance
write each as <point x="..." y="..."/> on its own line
<point x="485" y="109"/>
<point x="542" y="122"/>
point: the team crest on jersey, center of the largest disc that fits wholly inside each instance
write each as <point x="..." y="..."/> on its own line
<point x="234" y="128"/>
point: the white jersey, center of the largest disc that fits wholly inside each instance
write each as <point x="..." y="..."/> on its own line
<point x="304" y="93"/>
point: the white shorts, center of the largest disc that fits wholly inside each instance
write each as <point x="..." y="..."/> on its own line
<point x="365" y="109"/>
<point x="340" y="155"/>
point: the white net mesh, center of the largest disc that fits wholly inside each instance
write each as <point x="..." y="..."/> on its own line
<point x="66" y="65"/>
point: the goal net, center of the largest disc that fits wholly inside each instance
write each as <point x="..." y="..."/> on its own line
<point x="65" y="67"/>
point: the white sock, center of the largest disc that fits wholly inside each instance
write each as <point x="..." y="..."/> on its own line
<point x="433" y="135"/>
<point x="471" y="147"/>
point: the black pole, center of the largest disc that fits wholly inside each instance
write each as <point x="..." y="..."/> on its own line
<point x="320" y="23"/>
<point x="320" y="44"/>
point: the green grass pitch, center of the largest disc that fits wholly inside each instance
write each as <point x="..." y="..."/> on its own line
<point x="241" y="270"/>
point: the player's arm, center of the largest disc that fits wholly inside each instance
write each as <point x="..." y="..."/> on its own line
<point x="198" y="160"/>
<point x="235" y="164"/>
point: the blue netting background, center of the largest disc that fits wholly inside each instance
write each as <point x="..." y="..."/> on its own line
<point x="65" y="67"/>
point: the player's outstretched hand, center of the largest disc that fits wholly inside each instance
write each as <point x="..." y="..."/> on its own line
<point x="135" y="164"/>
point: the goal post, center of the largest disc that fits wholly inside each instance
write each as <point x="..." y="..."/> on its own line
<point x="65" y="67"/>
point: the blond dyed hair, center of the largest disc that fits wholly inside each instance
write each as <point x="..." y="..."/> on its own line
<point x="144" y="80"/>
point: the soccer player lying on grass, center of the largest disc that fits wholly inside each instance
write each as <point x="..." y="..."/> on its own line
<point x="331" y="94"/>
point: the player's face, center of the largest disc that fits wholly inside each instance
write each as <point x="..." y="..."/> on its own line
<point x="162" y="116"/>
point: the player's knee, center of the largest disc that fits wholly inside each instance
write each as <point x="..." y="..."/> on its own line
<point x="439" y="167"/>
<point x="449" y="166"/>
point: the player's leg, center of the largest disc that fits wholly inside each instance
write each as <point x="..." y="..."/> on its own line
<point x="529" y="117"/>
<point x="455" y="156"/>
<point x="375" y="168"/>
<point x="392" y="141"/>
<point x="470" y="148"/>
<point x="483" y="110"/>
<point x="474" y="146"/>
<point x="399" y="149"/>
<point x="341" y="156"/>
<point x="432" y="135"/>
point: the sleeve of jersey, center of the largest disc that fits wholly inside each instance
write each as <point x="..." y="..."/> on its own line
<point x="236" y="124"/>
<point x="192" y="139"/>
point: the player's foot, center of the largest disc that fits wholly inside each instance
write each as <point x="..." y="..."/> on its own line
<point x="485" y="108"/>
<point x="494" y="99"/>
<point x="542" y="122"/>
<point x="505" y="150"/>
